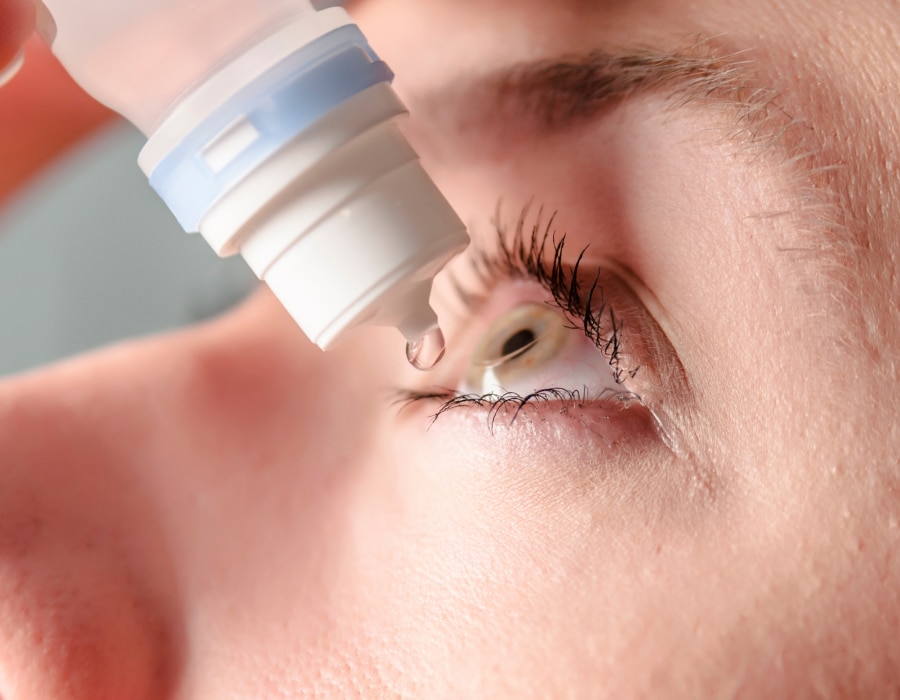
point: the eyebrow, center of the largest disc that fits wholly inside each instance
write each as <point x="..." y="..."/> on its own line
<point x="535" y="99"/>
<point x="567" y="90"/>
<point x="531" y="100"/>
<point x="564" y="91"/>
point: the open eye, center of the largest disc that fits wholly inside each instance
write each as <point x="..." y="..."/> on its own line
<point x="533" y="348"/>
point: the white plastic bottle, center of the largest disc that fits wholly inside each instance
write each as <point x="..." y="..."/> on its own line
<point x="272" y="131"/>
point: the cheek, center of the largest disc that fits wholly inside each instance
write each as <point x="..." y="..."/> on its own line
<point x="86" y="589"/>
<point x="499" y="556"/>
<point x="499" y="553"/>
<point x="72" y="623"/>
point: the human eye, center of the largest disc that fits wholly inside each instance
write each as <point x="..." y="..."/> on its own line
<point x="531" y="350"/>
<point x="548" y="328"/>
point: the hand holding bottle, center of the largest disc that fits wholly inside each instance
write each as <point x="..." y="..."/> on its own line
<point x="273" y="131"/>
<point x="16" y="25"/>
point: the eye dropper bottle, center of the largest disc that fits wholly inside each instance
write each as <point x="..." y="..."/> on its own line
<point x="272" y="131"/>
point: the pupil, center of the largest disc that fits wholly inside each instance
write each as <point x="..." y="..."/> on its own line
<point x="518" y="342"/>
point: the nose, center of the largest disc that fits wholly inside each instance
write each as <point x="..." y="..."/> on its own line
<point x="86" y="589"/>
<point x="209" y="472"/>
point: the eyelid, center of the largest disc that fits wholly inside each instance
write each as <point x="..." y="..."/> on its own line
<point x="535" y="255"/>
<point x="612" y="415"/>
<point x="579" y="289"/>
<point x="530" y="263"/>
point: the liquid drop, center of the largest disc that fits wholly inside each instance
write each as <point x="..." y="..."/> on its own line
<point x="427" y="351"/>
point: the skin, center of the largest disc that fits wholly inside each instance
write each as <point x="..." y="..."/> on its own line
<point x="16" y="23"/>
<point x="33" y="104"/>
<point x="227" y="512"/>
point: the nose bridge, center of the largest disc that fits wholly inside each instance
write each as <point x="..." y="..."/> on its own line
<point x="257" y="380"/>
<point x="267" y="442"/>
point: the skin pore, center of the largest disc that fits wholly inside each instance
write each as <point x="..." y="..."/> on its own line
<point x="227" y="512"/>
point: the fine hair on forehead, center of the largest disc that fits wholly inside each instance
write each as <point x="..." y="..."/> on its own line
<point x="819" y="239"/>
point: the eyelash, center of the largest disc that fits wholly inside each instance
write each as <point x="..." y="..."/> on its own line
<point x="523" y="254"/>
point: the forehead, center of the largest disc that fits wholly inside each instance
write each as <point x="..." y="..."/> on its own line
<point x="831" y="60"/>
<point x="832" y="68"/>
<point x="428" y="39"/>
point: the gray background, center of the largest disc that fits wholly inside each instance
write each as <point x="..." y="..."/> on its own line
<point x="90" y="255"/>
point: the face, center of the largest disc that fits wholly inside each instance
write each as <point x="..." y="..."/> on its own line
<point x="659" y="460"/>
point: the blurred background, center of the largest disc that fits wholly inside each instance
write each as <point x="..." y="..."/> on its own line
<point x="88" y="254"/>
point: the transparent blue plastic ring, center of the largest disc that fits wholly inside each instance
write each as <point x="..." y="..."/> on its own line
<point x="283" y="102"/>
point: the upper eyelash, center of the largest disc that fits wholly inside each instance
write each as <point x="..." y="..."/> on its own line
<point x="522" y="253"/>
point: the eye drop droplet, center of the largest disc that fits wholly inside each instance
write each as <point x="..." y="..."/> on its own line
<point x="427" y="351"/>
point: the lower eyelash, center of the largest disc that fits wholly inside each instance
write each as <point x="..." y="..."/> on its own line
<point x="450" y="399"/>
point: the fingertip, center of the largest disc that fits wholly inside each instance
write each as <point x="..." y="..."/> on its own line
<point x="17" y="18"/>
